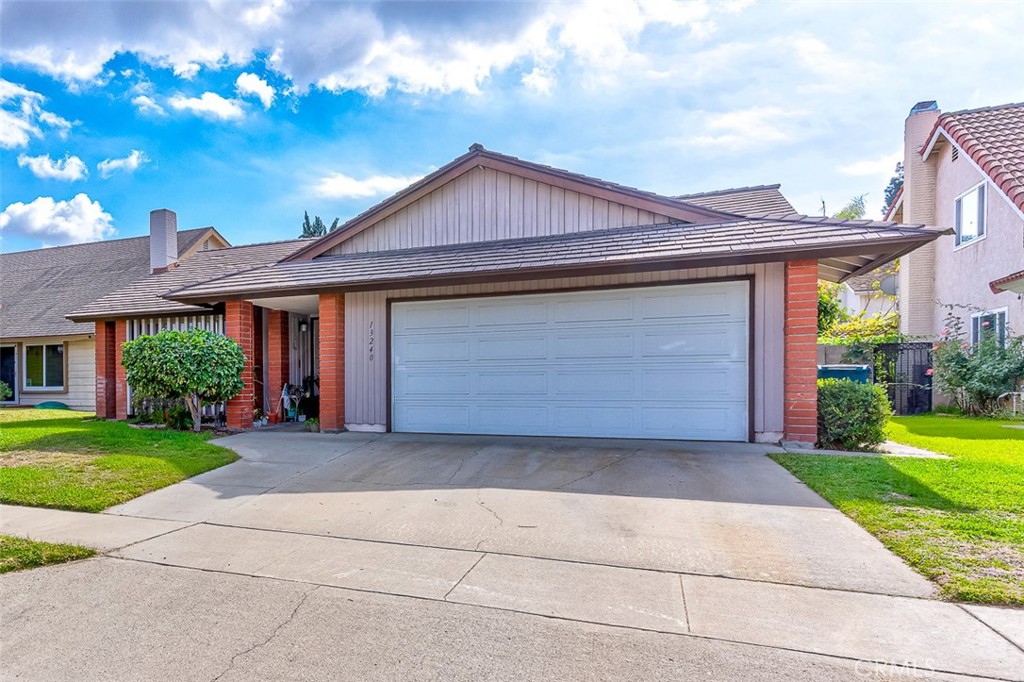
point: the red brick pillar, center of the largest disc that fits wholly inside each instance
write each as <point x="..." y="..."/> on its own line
<point x="106" y="370"/>
<point x="801" y="339"/>
<point x="120" y="380"/>
<point x="238" y="323"/>
<point x="332" y="362"/>
<point x="277" y="356"/>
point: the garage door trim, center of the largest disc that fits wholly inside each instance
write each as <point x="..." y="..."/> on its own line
<point x="751" y="326"/>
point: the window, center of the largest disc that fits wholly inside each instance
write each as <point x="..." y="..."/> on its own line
<point x="992" y="322"/>
<point x="970" y="215"/>
<point x="44" y="366"/>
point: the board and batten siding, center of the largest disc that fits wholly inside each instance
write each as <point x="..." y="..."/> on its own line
<point x="484" y="205"/>
<point x="366" y="343"/>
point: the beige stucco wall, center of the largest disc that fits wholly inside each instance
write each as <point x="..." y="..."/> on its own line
<point x="962" y="274"/>
<point x="366" y="346"/>
<point x="81" y="373"/>
<point x="917" y="269"/>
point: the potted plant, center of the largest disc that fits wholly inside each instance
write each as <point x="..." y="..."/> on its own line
<point x="313" y="424"/>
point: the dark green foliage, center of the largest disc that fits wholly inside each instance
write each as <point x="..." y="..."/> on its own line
<point x="893" y="188"/>
<point x="196" y="367"/>
<point x="976" y="376"/>
<point x="851" y="416"/>
<point x="178" y="418"/>
<point x="5" y="391"/>
<point x="316" y="227"/>
<point x="830" y="309"/>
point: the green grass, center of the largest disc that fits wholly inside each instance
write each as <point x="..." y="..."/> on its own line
<point x="17" y="554"/>
<point x="958" y="521"/>
<point x="69" y="460"/>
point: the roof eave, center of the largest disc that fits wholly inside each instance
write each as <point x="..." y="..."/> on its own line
<point x="889" y="249"/>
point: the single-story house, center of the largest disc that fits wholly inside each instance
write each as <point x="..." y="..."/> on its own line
<point x="43" y="355"/>
<point x="499" y="296"/>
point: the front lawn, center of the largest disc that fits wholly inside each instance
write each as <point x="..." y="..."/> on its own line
<point x="69" y="460"/>
<point x="958" y="521"/>
<point x="18" y="553"/>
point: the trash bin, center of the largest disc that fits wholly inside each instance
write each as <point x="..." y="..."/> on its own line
<point x="860" y="374"/>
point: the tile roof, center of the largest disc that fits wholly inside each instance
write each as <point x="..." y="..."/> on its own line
<point x="759" y="200"/>
<point x="994" y="139"/>
<point x="39" y="287"/>
<point x="861" y="243"/>
<point x="145" y="296"/>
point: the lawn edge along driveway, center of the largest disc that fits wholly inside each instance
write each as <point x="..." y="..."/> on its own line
<point x="17" y="554"/>
<point x="69" y="460"/>
<point x="957" y="521"/>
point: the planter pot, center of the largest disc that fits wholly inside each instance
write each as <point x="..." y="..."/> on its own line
<point x="275" y="418"/>
<point x="264" y="422"/>
<point x="302" y="418"/>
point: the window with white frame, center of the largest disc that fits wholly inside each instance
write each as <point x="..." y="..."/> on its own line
<point x="970" y="215"/>
<point x="991" y="322"/>
<point x="44" y="367"/>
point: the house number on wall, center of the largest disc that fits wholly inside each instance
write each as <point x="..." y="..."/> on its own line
<point x="371" y="340"/>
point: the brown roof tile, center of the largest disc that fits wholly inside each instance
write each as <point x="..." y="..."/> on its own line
<point x="681" y="245"/>
<point x="760" y="200"/>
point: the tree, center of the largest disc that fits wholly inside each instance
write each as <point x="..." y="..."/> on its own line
<point x="316" y="228"/>
<point x="197" y="366"/>
<point x="831" y="310"/>
<point x="893" y="188"/>
<point x="853" y="210"/>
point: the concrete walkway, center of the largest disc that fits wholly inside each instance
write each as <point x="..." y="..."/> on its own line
<point x="200" y="541"/>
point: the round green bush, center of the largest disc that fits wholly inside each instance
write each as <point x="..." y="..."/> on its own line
<point x="851" y="416"/>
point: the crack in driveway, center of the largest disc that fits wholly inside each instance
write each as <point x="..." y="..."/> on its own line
<point x="272" y="635"/>
<point x="598" y="469"/>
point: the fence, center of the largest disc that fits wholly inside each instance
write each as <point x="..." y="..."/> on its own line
<point x="903" y="368"/>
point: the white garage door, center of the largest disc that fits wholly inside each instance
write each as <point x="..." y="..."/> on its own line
<point x="658" y="362"/>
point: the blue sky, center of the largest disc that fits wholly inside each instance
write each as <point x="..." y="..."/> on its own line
<point x="243" y="115"/>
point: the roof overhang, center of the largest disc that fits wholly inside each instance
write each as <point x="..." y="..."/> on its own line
<point x="462" y="264"/>
<point x="1013" y="283"/>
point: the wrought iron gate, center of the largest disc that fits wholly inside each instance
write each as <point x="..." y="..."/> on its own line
<point x="905" y="369"/>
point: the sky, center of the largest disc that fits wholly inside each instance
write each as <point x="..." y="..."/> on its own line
<point x="243" y="115"/>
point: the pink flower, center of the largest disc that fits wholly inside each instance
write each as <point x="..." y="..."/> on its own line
<point x="929" y="371"/>
<point x="935" y="346"/>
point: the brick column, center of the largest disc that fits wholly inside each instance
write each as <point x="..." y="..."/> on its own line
<point x="238" y="323"/>
<point x="120" y="380"/>
<point x="106" y="370"/>
<point x="332" y="362"/>
<point x="278" y="350"/>
<point x="800" y="422"/>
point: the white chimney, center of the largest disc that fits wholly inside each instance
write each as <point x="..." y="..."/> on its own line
<point x="163" y="239"/>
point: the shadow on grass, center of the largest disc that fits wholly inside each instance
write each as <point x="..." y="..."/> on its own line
<point x="842" y="480"/>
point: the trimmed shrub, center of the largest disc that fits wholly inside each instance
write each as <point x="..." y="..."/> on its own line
<point x="851" y="416"/>
<point x="5" y="391"/>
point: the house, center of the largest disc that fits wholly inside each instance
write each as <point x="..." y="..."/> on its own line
<point x="43" y="355"/>
<point x="500" y="296"/>
<point x="873" y="293"/>
<point x="964" y="169"/>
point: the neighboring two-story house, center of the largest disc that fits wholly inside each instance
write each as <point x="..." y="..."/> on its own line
<point x="965" y="170"/>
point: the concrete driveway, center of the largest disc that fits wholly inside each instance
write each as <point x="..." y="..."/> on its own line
<point x="709" y="509"/>
<point x="400" y="556"/>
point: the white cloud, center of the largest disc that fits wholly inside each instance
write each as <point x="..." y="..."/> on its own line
<point x="341" y="186"/>
<point x="883" y="166"/>
<point x="69" y="168"/>
<point x="147" y="105"/>
<point x="209" y="104"/>
<point x="128" y="164"/>
<point x="22" y="115"/>
<point x="58" y="222"/>
<point x="744" y="129"/>
<point x="251" y="84"/>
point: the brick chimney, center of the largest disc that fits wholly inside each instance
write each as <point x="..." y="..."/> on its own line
<point x="163" y="239"/>
<point x="917" y="269"/>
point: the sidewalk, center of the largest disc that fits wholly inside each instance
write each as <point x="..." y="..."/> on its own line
<point x="928" y="635"/>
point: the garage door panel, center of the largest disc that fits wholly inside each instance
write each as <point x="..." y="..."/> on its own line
<point x="658" y="362"/>
<point x="702" y="382"/>
<point x="506" y="347"/>
<point x="429" y="349"/>
<point x="594" y="345"/>
<point x="512" y="383"/>
<point x="596" y="309"/>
